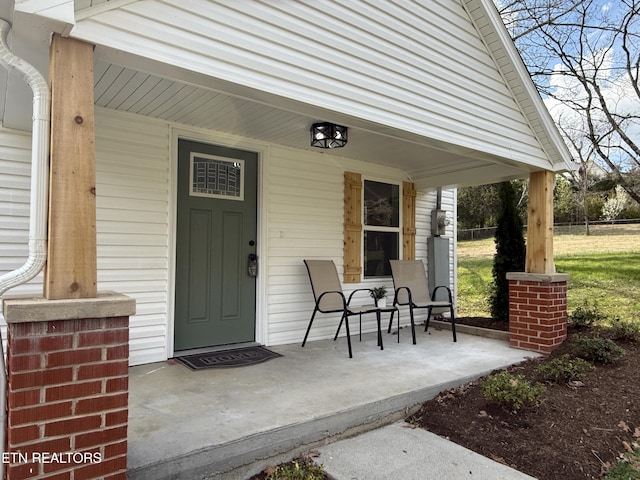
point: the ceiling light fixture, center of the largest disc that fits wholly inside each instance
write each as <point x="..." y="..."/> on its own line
<point x="328" y="135"/>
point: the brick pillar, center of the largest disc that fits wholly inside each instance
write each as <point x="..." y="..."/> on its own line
<point x="537" y="311"/>
<point x="67" y="394"/>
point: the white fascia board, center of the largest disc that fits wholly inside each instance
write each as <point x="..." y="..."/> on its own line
<point x="81" y="14"/>
<point x="59" y="13"/>
<point x="474" y="176"/>
<point x="561" y="159"/>
<point x="32" y="23"/>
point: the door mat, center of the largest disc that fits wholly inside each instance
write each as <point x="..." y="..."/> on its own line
<point x="236" y="357"/>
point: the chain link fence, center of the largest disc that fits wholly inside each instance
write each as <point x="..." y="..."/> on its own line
<point x="482" y="233"/>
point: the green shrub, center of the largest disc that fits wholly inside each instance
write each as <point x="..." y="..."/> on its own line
<point x="585" y="315"/>
<point x="628" y="467"/>
<point x="298" y="469"/>
<point x="563" y="369"/>
<point x="511" y="249"/>
<point x="627" y="330"/>
<point x="596" y="349"/>
<point x="623" y="471"/>
<point x="511" y="391"/>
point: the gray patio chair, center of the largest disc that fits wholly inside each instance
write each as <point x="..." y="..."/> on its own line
<point x="329" y="298"/>
<point x="411" y="288"/>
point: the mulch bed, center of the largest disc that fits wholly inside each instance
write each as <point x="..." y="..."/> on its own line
<point x="484" y="322"/>
<point x="575" y="433"/>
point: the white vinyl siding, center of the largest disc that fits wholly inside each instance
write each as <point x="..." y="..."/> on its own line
<point x="305" y="203"/>
<point x="15" y="190"/>
<point x="418" y="66"/>
<point x="132" y="185"/>
<point x="15" y="181"/>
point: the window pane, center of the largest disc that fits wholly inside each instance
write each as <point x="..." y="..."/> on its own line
<point x="216" y="177"/>
<point x="379" y="248"/>
<point x="381" y="204"/>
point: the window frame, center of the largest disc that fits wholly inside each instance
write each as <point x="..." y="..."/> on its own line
<point x="352" y="232"/>
<point x="375" y="228"/>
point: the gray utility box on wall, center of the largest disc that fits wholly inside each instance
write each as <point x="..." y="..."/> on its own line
<point x="438" y="266"/>
<point x="439" y="222"/>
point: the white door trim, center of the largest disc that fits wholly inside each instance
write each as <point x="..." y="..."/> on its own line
<point x="217" y="138"/>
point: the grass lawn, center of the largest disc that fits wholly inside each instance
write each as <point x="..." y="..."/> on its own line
<point x="604" y="268"/>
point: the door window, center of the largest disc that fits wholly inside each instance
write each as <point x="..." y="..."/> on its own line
<point x="216" y="177"/>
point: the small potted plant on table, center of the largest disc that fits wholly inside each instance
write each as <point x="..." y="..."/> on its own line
<point x="379" y="296"/>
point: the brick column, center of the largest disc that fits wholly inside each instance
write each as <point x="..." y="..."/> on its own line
<point x="67" y="394"/>
<point x="537" y="311"/>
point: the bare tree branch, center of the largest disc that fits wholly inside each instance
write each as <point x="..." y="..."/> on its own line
<point x="584" y="57"/>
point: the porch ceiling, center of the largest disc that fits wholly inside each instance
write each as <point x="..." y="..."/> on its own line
<point x="428" y="163"/>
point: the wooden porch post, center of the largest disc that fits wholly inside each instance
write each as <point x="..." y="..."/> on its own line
<point x="71" y="262"/>
<point x="538" y="296"/>
<point x="540" y="223"/>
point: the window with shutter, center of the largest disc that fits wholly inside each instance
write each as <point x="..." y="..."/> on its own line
<point x="372" y="226"/>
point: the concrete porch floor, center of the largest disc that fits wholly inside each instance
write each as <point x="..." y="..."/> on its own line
<point x="201" y="424"/>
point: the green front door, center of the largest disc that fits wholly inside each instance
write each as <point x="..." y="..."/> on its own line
<point x="215" y="299"/>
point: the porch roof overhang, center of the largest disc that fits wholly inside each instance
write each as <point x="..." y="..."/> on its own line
<point x="129" y="82"/>
<point x="189" y="98"/>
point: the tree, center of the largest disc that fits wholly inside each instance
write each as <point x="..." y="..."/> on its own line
<point x="584" y="57"/>
<point x="511" y="250"/>
<point x="615" y="204"/>
<point x="586" y="176"/>
<point x="565" y="207"/>
<point x="477" y="206"/>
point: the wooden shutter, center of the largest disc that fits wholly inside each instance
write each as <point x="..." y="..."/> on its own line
<point x="408" y="221"/>
<point x="352" y="227"/>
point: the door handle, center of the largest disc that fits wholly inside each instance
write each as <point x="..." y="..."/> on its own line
<point x="252" y="265"/>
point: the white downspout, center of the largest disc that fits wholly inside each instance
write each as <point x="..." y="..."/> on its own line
<point x="39" y="190"/>
<point x="39" y="165"/>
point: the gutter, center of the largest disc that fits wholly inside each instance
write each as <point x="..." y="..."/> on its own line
<point x="39" y="192"/>
<point x="39" y="165"/>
